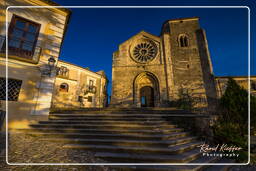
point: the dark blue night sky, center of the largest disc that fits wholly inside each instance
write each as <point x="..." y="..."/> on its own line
<point x="94" y="34"/>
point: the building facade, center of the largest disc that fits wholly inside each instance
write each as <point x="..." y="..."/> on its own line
<point x="34" y="37"/>
<point x="77" y="87"/>
<point x="152" y="71"/>
<point x="221" y="84"/>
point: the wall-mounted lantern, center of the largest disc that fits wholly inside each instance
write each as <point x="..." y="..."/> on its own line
<point x="51" y="63"/>
<point x="47" y="71"/>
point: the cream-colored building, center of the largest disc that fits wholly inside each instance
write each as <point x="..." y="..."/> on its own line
<point x="78" y="87"/>
<point x="35" y="37"/>
<point x="221" y="83"/>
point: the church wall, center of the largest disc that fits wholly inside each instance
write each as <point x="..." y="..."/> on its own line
<point x="125" y="70"/>
<point x="179" y="69"/>
<point x="208" y="77"/>
<point x="186" y="62"/>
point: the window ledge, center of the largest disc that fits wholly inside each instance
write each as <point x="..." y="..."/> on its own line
<point x="3" y="55"/>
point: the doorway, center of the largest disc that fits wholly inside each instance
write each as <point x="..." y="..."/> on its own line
<point x="147" y="96"/>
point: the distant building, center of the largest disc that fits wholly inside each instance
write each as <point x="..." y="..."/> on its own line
<point x="221" y="83"/>
<point x="77" y="87"/>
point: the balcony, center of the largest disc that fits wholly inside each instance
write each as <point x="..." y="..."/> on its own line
<point x="20" y="54"/>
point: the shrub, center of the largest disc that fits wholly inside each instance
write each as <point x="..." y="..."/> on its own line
<point x="232" y="125"/>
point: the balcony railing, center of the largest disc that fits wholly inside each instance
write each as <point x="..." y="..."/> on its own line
<point x="20" y="54"/>
<point x="90" y="89"/>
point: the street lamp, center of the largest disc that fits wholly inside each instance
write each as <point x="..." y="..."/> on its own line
<point x="51" y="63"/>
<point x="47" y="70"/>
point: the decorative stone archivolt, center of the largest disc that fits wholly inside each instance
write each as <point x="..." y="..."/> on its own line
<point x="142" y="80"/>
<point x="143" y="51"/>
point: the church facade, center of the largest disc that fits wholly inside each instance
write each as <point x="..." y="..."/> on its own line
<point x="154" y="71"/>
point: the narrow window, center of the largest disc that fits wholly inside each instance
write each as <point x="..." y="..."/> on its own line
<point x="64" y="87"/>
<point x="13" y="92"/>
<point x="22" y="37"/>
<point x="90" y="85"/>
<point x="183" y="40"/>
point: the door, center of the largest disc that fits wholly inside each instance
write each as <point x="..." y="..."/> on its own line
<point x="147" y="96"/>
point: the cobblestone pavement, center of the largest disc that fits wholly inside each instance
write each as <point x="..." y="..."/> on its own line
<point x="25" y="148"/>
<point x="28" y="149"/>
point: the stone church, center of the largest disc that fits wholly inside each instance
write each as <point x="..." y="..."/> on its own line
<point x="154" y="71"/>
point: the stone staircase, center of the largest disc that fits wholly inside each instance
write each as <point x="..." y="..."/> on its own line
<point x="126" y="137"/>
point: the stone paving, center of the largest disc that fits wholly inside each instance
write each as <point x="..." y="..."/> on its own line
<point x="25" y="148"/>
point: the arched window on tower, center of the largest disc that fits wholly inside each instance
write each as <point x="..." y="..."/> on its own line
<point x="183" y="40"/>
<point x="64" y="87"/>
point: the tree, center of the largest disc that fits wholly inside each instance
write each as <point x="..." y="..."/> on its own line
<point x="232" y="125"/>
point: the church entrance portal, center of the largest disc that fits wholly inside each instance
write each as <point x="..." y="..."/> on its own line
<point x="146" y="90"/>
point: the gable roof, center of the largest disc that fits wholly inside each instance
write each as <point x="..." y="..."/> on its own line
<point x="142" y="32"/>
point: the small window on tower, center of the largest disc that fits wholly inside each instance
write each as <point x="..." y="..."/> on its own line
<point x="183" y="40"/>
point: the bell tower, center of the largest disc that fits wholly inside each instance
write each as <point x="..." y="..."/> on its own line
<point x="188" y="61"/>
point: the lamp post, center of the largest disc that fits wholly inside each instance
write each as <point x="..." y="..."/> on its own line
<point x="51" y="63"/>
<point x="49" y="67"/>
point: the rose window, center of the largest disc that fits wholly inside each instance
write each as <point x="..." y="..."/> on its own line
<point x="144" y="52"/>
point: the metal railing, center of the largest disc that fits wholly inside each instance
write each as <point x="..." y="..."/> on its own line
<point x="20" y="53"/>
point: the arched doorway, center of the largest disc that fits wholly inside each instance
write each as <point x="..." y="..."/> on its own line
<point x="147" y="96"/>
<point x="146" y="90"/>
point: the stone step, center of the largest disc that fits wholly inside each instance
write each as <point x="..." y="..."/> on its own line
<point x="100" y="122"/>
<point x="125" y="149"/>
<point x="185" y="146"/>
<point x="133" y="136"/>
<point x="119" y="115"/>
<point x="156" y="158"/>
<point x="125" y="111"/>
<point x="102" y="130"/>
<point x="187" y="142"/>
<point x="104" y="118"/>
<point x="116" y="126"/>
<point x="111" y="115"/>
